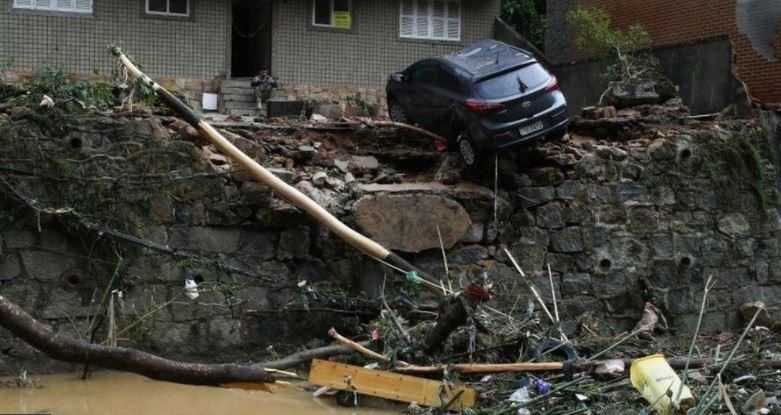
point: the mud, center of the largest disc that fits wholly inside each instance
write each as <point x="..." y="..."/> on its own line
<point x="118" y="393"/>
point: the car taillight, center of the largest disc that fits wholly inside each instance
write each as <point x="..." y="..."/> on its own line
<point x="553" y="84"/>
<point x="482" y="108"/>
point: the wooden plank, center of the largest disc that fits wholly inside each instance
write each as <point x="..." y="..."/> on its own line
<point x="388" y="385"/>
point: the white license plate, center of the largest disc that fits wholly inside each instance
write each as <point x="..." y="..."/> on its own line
<point x="530" y="128"/>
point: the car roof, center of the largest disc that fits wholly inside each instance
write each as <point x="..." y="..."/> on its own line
<point x="488" y="57"/>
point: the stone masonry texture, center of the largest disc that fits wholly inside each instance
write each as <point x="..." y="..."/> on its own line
<point x="752" y="26"/>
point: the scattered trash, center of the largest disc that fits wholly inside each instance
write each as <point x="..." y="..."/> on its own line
<point x="191" y="289"/>
<point x="46" y="102"/>
<point x="756" y="404"/>
<point x="651" y="320"/>
<point x="542" y="386"/>
<point x="611" y="368"/>
<point x="390" y="385"/>
<point x="520" y="395"/>
<point x="656" y="381"/>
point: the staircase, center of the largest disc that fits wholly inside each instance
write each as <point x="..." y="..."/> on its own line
<point x="238" y="98"/>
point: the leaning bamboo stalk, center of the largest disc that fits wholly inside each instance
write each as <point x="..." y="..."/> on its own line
<point x="262" y="175"/>
<point x="357" y="346"/>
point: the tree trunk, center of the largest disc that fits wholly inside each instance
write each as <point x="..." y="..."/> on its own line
<point x="56" y="346"/>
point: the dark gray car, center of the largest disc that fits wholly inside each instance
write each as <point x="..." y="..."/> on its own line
<point x="488" y="96"/>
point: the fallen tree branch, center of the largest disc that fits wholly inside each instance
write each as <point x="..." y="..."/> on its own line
<point x="357" y="346"/>
<point x="69" y="349"/>
<point x="406" y="126"/>
<point x="305" y="356"/>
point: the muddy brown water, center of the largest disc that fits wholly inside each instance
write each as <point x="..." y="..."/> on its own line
<point x="116" y="393"/>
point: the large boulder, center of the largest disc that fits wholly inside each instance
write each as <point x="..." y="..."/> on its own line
<point x="409" y="222"/>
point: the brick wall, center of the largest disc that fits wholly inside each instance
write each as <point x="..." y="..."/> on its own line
<point x="753" y="27"/>
<point x="367" y="54"/>
<point x="192" y="48"/>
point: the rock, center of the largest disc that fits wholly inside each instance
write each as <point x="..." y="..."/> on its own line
<point x="255" y="194"/>
<point x="747" y="311"/>
<point x="474" y="234"/>
<point x="10" y="267"/>
<point x="187" y="132"/>
<point x="319" y="178"/>
<point x="575" y="283"/>
<point x="205" y="239"/>
<point x="363" y="164"/>
<point x="286" y="175"/>
<point x="328" y="110"/>
<point x="623" y="95"/>
<point x="567" y="240"/>
<point x="342" y="165"/>
<point x="318" y="118"/>
<point x="734" y="224"/>
<point x="533" y="196"/>
<point x="333" y="202"/>
<point x="546" y="176"/>
<point x="294" y="243"/>
<point x="409" y="222"/>
<point x="449" y="169"/>
<point x="304" y="153"/>
<point x="549" y="216"/>
<point x="257" y="245"/>
<point x="15" y="239"/>
<point x="46" y="266"/>
<point x="472" y="254"/>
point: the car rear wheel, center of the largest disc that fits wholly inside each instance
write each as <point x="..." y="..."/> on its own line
<point x="467" y="150"/>
<point x="396" y="112"/>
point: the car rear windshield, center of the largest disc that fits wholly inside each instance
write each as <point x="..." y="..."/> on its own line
<point x="513" y="83"/>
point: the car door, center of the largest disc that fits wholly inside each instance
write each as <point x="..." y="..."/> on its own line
<point x="422" y="83"/>
<point x="448" y="93"/>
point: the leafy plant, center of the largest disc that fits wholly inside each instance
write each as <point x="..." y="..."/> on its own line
<point x="527" y="17"/>
<point x="622" y="48"/>
<point x="369" y="109"/>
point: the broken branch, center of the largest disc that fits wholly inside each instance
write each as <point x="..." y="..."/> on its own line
<point x="68" y="349"/>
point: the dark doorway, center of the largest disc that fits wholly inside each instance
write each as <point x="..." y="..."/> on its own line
<point x="250" y="37"/>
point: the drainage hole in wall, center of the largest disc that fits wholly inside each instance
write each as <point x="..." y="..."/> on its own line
<point x="605" y="264"/>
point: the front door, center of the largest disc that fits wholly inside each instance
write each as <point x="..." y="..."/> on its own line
<point x="250" y="37"/>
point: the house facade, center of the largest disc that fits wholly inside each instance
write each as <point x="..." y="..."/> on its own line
<point x="749" y="29"/>
<point x="311" y="46"/>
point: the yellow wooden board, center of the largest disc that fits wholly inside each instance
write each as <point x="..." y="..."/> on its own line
<point x="388" y="385"/>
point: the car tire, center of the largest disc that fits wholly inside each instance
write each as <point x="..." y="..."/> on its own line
<point x="396" y="112"/>
<point x="467" y="150"/>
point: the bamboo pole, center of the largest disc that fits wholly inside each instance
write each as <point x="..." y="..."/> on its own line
<point x="262" y="175"/>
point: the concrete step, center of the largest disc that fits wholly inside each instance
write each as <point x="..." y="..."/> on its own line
<point x="236" y="89"/>
<point x="235" y="83"/>
<point x="239" y="105"/>
<point x="238" y="97"/>
<point x="238" y="111"/>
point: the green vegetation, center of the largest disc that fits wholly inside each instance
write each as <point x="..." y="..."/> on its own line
<point x="369" y="109"/>
<point x="622" y="48"/>
<point x="527" y="17"/>
<point x="744" y="161"/>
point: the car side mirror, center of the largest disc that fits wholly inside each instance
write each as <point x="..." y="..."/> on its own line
<point x="399" y="77"/>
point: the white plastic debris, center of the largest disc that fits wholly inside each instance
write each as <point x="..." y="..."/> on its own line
<point x="520" y="395"/>
<point x="613" y="368"/>
<point x="191" y="289"/>
<point x="581" y="397"/>
<point x="47" y="102"/>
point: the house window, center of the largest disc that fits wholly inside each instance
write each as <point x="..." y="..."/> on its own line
<point x="430" y="19"/>
<point x="168" y="7"/>
<point x="331" y="13"/>
<point x="72" y="6"/>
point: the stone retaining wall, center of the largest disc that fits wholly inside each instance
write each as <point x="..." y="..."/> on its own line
<point x="619" y="224"/>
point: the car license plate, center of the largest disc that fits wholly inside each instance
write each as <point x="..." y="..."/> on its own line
<point x="531" y="128"/>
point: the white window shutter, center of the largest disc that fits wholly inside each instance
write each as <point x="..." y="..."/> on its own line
<point x="407" y="26"/>
<point x="454" y="20"/>
<point x="83" y="6"/>
<point x="66" y="5"/>
<point x="23" y="4"/>
<point x="43" y="4"/>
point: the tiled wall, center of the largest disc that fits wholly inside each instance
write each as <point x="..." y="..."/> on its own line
<point x="194" y="47"/>
<point x="367" y="54"/>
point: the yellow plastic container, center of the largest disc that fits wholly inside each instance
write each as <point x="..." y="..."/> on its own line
<point x="658" y="383"/>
